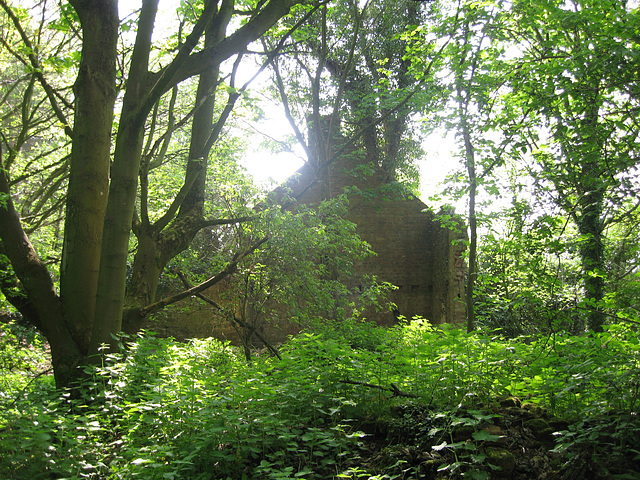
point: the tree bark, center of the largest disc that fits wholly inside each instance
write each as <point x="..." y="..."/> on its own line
<point x="591" y="249"/>
<point x="473" y="227"/>
<point x="87" y="194"/>
<point x="44" y="305"/>
<point x="123" y="188"/>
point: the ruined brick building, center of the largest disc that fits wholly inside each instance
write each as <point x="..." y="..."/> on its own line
<point x="418" y="255"/>
<point x="414" y="251"/>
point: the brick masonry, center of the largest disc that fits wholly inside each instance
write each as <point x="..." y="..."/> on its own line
<point x="415" y="252"/>
<point x="423" y="259"/>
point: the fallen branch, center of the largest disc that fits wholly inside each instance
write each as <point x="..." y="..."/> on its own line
<point x="230" y="316"/>
<point x="393" y="388"/>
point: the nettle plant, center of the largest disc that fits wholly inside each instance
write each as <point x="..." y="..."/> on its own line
<point x="162" y="409"/>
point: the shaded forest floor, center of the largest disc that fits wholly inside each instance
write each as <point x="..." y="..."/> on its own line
<point x="348" y="401"/>
<point x="506" y="441"/>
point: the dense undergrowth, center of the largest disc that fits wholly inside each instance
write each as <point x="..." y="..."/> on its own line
<point x="351" y="401"/>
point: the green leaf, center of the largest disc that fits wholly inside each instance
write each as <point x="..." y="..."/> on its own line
<point x="485" y="436"/>
<point x="440" y="447"/>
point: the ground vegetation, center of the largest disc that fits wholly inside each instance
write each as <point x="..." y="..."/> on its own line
<point x="352" y="401"/>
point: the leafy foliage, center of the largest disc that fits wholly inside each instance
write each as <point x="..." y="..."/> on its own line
<point x="196" y="410"/>
<point x="546" y="92"/>
<point x="22" y="357"/>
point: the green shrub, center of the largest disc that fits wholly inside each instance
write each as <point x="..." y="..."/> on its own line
<point x="164" y="409"/>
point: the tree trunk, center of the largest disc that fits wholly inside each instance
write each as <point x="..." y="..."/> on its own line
<point x="123" y="188"/>
<point x="159" y="243"/>
<point x="202" y="126"/>
<point x="473" y="227"/>
<point x="95" y="94"/>
<point x="591" y="246"/>
<point x="43" y="304"/>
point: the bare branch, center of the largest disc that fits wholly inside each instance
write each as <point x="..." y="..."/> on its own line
<point x="234" y="43"/>
<point x="231" y="316"/>
<point x="38" y="70"/>
<point x="230" y="269"/>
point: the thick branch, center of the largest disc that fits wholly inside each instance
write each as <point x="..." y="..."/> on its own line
<point x="230" y="269"/>
<point x="165" y="79"/>
<point x="15" y="295"/>
<point x="212" y="222"/>
<point x="31" y="271"/>
<point x="234" y="43"/>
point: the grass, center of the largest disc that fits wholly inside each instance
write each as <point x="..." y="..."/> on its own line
<point x="198" y="410"/>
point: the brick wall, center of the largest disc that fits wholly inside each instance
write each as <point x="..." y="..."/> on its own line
<point x="414" y="252"/>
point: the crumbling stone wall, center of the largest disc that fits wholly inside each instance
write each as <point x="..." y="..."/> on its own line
<point x="414" y="251"/>
<point x="418" y="255"/>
